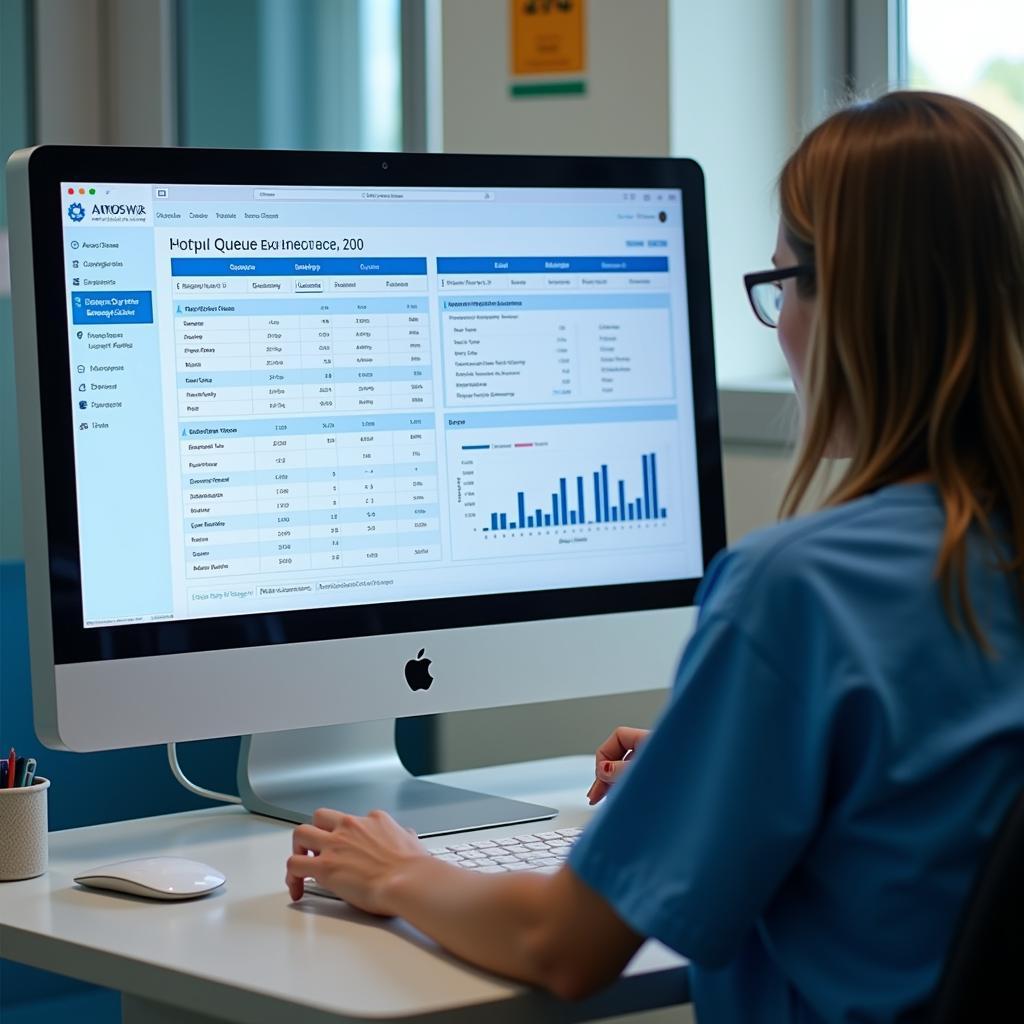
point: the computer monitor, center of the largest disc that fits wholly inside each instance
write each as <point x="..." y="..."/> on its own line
<point x="316" y="439"/>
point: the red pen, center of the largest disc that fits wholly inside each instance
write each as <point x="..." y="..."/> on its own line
<point x="11" y="762"/>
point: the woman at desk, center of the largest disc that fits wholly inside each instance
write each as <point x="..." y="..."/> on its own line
<point x="847" y="725"/>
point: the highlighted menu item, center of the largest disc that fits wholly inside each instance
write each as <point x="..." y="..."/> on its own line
<point x="106" y="307"/>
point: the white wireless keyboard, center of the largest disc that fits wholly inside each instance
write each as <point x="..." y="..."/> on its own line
<point x="537" y="851"/>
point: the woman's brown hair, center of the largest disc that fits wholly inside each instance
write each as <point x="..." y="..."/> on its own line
<point x="910" y="207"/>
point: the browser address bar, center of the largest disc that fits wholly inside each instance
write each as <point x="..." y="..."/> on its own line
<point x="374" y="194"/>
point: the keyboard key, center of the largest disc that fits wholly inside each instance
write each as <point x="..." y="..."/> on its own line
<point x="491" y="869"/>
<point x="548" y="835"/>
<point x="569" y="831"/>
<point x="508" y="841"/>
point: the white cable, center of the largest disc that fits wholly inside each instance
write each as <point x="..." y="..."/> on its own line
<point x="208" y="794"/>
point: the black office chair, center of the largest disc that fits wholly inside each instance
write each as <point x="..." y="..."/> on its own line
<point x="983" y="977"/>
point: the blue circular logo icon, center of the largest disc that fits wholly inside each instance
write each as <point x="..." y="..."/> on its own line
<point x="76" y="212"/>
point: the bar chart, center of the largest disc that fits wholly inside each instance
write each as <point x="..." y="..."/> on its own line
<point x="586" y="487"/>
<point x="574" y="503"/>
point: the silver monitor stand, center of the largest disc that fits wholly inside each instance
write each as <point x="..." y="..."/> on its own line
<point x="356" y="769"/>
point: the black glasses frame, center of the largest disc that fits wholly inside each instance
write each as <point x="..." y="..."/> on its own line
<point x="751" y="281"/>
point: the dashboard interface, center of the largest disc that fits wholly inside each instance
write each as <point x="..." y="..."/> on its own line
<point x="312" y="397"/>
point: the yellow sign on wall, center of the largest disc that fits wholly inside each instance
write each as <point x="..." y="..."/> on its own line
<point x="548" y="36"/>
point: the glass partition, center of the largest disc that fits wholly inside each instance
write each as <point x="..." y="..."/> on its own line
<point x="290" y="74"/>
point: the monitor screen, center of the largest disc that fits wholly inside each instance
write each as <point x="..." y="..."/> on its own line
<point x="301" y="397"/>
<point x="296" y="426"/>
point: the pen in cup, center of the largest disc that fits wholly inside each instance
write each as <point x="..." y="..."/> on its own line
<point x="17" y="772"/>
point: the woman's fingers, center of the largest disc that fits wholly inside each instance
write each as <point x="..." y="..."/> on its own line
<point x="610" y="757"/>
<point x="609" y="766"/>
<point x="624" y="739"/>
<point x="299" y="867"/>
<point x="326" y="819"/>
<point x="611" y="771"/>
<point x="308" y="839"/>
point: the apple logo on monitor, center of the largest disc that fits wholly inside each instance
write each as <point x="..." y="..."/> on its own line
<point x="417" y="672"/>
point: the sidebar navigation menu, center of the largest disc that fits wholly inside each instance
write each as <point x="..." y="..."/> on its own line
<point x="118" y="422"/>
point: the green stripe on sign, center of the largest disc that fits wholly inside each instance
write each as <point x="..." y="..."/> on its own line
<point x="547" y="89"/>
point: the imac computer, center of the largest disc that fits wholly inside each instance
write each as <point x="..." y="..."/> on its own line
<point x="314" y="441"/>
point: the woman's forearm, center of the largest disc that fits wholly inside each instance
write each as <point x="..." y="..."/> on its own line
<point x="499" y="922"/>
<point x="549" y="930"/>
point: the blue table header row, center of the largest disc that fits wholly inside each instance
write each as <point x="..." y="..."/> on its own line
<point x="552" y="264"/>
<point x="275" y="266"/>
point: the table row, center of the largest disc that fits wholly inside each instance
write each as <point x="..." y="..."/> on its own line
<point x="386" y="550"/>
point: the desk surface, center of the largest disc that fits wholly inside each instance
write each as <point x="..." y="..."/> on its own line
<point x="247" y="954"/>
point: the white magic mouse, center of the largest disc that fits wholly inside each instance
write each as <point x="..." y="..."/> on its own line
<point x="157" y="878"/>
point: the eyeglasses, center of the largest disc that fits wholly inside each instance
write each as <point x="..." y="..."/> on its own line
<point x="764" y="290"/>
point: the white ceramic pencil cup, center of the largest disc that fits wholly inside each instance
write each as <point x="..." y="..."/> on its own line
<point x="23" y="831"/>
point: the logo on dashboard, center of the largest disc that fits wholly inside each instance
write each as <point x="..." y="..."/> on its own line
<point x="76" y="212"/>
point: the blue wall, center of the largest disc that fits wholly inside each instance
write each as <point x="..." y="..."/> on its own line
<point x="80" y="794"/>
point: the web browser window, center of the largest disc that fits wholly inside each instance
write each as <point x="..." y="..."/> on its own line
<point x="290" y="398"/>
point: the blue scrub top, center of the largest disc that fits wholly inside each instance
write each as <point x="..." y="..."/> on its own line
<point x="805" y="820"/>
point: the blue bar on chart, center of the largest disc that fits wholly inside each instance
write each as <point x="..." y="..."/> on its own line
<point x="611" y="504"/>
<point x="654" y="485"/>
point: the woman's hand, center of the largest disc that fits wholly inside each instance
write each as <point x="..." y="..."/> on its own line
<point x="353" y="857"/>
<point x="612" y="758"/>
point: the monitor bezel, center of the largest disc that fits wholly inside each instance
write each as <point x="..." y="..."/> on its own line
<point x="50" y="166"/>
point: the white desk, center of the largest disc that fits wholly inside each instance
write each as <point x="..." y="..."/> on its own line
<point x="247" y="954"/>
